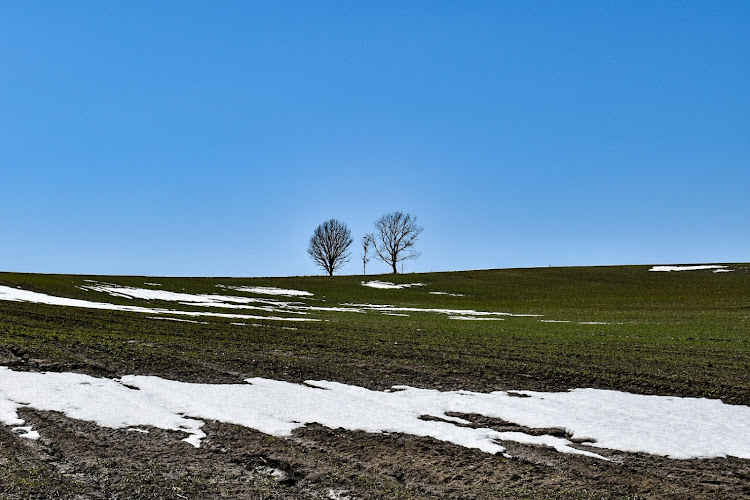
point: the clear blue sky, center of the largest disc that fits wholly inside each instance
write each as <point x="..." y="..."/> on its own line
<point x="210" y="138"/>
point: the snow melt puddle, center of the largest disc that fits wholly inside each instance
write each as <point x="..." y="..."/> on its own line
<point x="387" y="285"/>
<point x="685" y="268"/>
<point x="19" y="295"/>
<point x="668" y="426"/>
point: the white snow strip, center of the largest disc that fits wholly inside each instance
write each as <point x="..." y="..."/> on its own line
<point x="450" y="312"/>
<point x="724" y="271"/>
<point x="16" y="295"/>
<point x="153" y="284"/>
<point x="272" y="305"/>
<point x="211" y="300"/>
<point x="554" y="321"/>
<point x="387" y="285"/>
<point x="268" y="290"/>
<point x="446" y="293"/>
<point x="394" y="314"/>
<point x="592" y="323"/>
<point x="164" y="295"/>
<point x="475" y="318"/>
<point x="685" y="268"/>
<point x="668" y="426"/>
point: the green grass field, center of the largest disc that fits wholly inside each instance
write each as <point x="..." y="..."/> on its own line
<point x="669" y="333"/>
<point x="679" y="333"/>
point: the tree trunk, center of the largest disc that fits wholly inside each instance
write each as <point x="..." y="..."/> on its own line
<point x="395" y="271"/>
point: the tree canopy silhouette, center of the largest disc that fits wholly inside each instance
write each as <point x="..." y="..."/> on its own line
<point x="397" y="232"/>
<point x="329" y="245"/>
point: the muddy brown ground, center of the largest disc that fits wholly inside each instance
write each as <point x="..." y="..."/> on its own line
<point x="79" y="460"/>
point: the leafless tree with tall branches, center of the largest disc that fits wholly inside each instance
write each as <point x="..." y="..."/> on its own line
<point x="329" y="245"/>
<point x="368" y="242"/>
<point x="397" y="233"/>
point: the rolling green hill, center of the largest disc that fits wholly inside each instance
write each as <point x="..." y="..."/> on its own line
<point x="681" y="333"/>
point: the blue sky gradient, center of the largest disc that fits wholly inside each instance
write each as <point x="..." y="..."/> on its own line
<point x="210" y="138"/>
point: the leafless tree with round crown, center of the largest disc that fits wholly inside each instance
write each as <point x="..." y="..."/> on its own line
<point x="397" y="233"/>
<point x="329" y="245"/>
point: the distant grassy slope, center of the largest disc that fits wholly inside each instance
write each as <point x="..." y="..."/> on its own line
<point x="680" y="333"/>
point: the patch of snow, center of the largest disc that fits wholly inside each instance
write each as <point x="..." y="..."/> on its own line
<point x="16" y="295"/>
<point x="475" y="318"/>
<point x="268" y="290"/>
<point x="387" y="285"/>
<point x="25" y="432"/>
<point x="337" y="495"/>
<point x="272" y="472"/>
<point x="212" y="300"/>
<point x="669" y="426"/>
<point x="685" y="268"/>
<point x="592" y="323"/>
<point x="724" y="271"/>
<point x="450" y="312"/>
<point x="554" y="321"/>
<point x="394" y="314"/>
<point x="449" y="294"/>
<point x="153" y="284"/>
<point x="136" y="429"/>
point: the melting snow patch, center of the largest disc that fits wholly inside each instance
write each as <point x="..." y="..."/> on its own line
<point x="268" y="290"/>
<point x="450" y="312"/>
<point x="475" y="318"/>
<point x="724" y="271"/>
<point x="446" y="293"/>
<point x="387" y="285"/>
<point x="685" y="268"/>
<point x="26" y="432"/>
<point x="669" y="426"/>
<point x="338" y="495"/>
<point x="13" y="294"/>
<point x="554" y="321"/>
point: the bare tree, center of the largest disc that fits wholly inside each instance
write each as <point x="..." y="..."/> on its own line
<point x="368" y="241"/>
<point x="329" y="245"/>
<point x="397" y="232"/>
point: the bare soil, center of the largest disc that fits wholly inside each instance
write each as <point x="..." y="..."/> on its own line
<point x="80" y="460"/>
